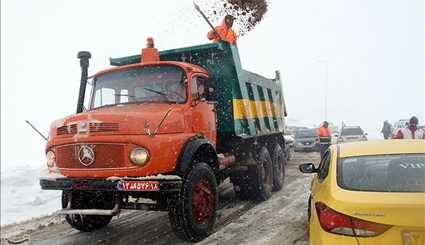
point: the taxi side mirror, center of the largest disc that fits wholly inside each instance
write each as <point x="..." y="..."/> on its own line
<point x="308" y="168"/>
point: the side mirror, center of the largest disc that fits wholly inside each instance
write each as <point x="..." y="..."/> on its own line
<point x="307" y="168"/>
<point x="211" y="89"/>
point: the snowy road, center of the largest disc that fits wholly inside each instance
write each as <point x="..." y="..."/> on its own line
<point x="279" y="220"/>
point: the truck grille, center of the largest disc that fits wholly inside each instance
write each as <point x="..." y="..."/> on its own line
<point x="70" y="129"/>
<point x="103" y="127"/>
<point x="105" y="156"/>
<point x="92" y="128"/>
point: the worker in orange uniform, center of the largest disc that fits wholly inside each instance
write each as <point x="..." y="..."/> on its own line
<point x="224" y="32"/>
<point x="324" y="135"/>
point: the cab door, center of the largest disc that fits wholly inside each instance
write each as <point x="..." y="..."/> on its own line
<point x="204" y="120"/>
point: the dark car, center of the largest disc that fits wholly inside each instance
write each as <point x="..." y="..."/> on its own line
<point x="352" y="133"/>
<point x="306" y="140"/>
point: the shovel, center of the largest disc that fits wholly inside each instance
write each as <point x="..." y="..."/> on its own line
<point x="207" y="20"/>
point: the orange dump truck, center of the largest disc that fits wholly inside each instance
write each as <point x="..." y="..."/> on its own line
<point x="160" y="131"/>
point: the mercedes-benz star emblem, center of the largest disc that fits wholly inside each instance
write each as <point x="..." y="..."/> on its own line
<point x="86" y="155"/>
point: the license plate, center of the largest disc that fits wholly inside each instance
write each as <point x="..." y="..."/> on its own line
<point x="414" y="238"/>
<point x="129" y="185"/>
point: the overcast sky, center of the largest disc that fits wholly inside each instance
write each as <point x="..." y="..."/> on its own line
<point x="374" y="51"/>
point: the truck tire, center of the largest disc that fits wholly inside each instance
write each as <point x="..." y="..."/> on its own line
<point x="289" y="153"/>
<point x="263" y="175"/>
<point x="241" y="185"/>
<point x="279" y="162"/>
<point x="192" y="213"/>
<point x="88" y="200"/>
<point x="257" y="182"/>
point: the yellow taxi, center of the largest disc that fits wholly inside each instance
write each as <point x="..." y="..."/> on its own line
<point x="369" y="193"/>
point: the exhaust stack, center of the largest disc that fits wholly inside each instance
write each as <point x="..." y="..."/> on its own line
<point x="84" y="57"/>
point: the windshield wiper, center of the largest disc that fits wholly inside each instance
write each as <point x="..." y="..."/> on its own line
<point x="127" y="95"/>
<point x="160" y="93"/>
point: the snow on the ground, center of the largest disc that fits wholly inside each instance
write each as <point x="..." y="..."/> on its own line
<point x="22" y="197"/>
<point x="280" y="220"/>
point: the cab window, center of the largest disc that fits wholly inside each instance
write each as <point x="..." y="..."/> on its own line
<point x="198" y="88"/>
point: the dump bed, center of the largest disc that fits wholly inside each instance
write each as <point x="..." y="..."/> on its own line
<point x="248" y="104"/>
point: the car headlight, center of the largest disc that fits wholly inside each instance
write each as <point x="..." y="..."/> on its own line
<point x="139" y="156"/>
<point x="51" y="159"/>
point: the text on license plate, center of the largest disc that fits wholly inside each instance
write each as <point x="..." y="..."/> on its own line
<point x="130" y="185"/>
<point x="413" y="238"/>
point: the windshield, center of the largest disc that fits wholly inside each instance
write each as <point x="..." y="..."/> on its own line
<point x="351" y="131"/>
<point x="155" y="83"/>
<point x="305" y="133"/>
<point x="385" y="173"/>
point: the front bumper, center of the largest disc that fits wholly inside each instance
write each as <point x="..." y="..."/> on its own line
<point x="116" y="184"/>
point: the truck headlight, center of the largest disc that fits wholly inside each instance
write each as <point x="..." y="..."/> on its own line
<point x="51" y="159"/>
<point x="139" y="156"/>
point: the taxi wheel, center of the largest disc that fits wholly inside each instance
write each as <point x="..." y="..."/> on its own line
<point x="88" y="200"/>
<point x="192" y="213"/>
<point x="279" y="162"/>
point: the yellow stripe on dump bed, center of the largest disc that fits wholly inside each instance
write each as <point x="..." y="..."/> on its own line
<point x="248" y="109"/>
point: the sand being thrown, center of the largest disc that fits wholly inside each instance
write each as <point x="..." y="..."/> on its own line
<point x="248" y="13"/>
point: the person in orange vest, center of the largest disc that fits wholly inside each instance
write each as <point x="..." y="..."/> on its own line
<point x="324" y="135"/>
<point x="224" y="31"/>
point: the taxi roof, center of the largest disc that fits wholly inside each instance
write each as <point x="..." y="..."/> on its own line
<point x="381" y="147"/>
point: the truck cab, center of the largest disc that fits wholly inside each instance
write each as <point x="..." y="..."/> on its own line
<point x="135" y="113"/>
<point x="160" y="131"/>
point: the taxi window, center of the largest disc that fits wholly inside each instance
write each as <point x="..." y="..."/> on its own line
<point x="383" y="173"/>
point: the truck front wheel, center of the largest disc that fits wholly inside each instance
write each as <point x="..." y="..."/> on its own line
<point x="192" y="213"/>
<point x="88" y="200"/>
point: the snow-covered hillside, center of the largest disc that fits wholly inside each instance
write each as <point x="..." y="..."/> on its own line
<point x="22" y="197"/>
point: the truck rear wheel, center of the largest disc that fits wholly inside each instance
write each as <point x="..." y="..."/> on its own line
<point x="263" y="175"/>
<point x="241" y="185"/>
<point x="257" y="182"/>
<point x="279" y="162"/>
<point x="88" y="200"/>
<point x="192" y="213"/>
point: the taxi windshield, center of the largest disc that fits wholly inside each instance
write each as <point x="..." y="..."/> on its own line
<point x="154" y="83"/>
